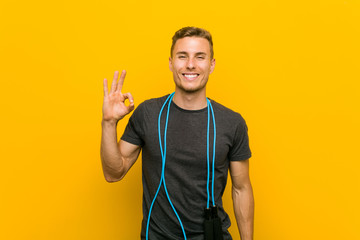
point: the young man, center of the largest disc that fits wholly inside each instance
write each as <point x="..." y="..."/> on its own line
<point x="182" y="192"/>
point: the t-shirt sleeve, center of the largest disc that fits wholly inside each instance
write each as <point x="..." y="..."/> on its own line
<point x="134" y="129"/>
<point x="240" y="149"/>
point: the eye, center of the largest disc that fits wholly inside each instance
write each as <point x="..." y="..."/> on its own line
<point x="201" y="57"/>
<point x="182" y="56"/>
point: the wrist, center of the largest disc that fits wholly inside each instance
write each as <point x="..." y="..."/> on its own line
<point x="109" y="123"/>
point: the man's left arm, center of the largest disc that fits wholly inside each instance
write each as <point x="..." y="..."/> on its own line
<point x="243" y="199"/>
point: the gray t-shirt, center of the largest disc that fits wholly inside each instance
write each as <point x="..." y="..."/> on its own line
<point x="186" y="164"/>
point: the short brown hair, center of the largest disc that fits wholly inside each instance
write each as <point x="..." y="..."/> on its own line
<point x="192" y="32"/>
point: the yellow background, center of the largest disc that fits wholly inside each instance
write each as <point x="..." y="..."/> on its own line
<point x="291" y="68"/>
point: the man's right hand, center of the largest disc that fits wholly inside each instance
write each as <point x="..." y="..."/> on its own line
<point x="114" y="107"/>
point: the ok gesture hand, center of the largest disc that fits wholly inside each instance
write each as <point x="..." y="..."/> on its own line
<point x="114" y="107"/>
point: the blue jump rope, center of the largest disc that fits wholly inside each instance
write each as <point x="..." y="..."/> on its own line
<point x="163" y="155"/>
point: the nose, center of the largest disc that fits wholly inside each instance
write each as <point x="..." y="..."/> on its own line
<point x="190" y="63"/>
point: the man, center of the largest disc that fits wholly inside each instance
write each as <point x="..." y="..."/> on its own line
<point x="176" y="135"/>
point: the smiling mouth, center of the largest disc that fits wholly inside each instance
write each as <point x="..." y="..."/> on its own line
<point x="190" y="76"/>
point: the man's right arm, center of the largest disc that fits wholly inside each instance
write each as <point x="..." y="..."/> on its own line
<point x="116" y="157"/>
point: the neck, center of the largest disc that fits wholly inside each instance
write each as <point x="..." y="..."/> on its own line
<point x="190" y="101"/>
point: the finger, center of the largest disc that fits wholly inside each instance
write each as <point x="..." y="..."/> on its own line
<point x="105" y="87"/>
<point x="129" y="96"/>
<point x="121" y="80"/>
<point x="131" y="100"/>
<point x="113" y="85"/>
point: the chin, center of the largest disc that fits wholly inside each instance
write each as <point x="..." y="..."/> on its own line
<point x="190" y="89"/>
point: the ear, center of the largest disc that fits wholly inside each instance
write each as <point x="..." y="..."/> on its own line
<point x="212" y="65"/>
<point x="170" y="64"/>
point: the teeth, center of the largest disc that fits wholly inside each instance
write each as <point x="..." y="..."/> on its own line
<point x="191" y="76"/>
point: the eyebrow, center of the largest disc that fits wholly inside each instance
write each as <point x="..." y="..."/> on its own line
<point x="185" y="53"/>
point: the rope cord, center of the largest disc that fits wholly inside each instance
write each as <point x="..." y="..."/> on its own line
<point x="163" y="155"/>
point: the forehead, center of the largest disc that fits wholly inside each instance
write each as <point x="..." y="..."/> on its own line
<point x="192" y="45"/>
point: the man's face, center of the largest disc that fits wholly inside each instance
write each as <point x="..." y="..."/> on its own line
<point x="191" y="64"/>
